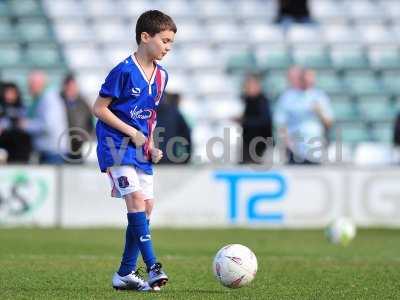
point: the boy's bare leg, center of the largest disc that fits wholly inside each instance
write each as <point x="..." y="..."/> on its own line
<point x="135" y="202"/>
<point x="149" y="203"/>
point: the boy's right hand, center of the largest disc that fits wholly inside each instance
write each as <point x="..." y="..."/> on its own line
<point x="138" y="138"/>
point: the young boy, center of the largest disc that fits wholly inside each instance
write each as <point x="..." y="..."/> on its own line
<point x="126" y="109"/>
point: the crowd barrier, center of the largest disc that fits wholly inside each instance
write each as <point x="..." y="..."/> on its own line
<point x="205" y="196"/>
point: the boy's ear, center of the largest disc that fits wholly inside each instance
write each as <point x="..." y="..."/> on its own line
<point x="145" y="37"/>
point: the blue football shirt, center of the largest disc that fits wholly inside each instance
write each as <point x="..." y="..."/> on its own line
<point x="134" y="101"/>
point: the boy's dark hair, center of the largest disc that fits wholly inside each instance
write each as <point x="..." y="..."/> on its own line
<point x="153" y="22"/>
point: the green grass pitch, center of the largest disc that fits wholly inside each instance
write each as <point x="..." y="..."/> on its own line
<point x="78" y="264"/>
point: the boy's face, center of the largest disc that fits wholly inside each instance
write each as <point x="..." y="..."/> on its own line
<point x="158" y="45"/>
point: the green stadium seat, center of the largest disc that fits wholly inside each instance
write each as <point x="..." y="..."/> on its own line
<point x="391" y="82"/>
<point x="4" y="9"/>
<point x="341" y="97"/>
<point x="375" y="108"/>
<point x="10" y="55"/>
<point x="6" y="30"/>
<point x="238" y="79"/>
<point x="274" y="84"/>
<point x="345" y="57"/>
<point x="274" y="57"/>
<point x="43" y="55"/>
<point x="25" y="7"/>
<point x="55" y="76"/>
<point x="344" y="111"/>
<point x="383" y="132"/>
<point x="18" y="76"/>
<point x="330" y="82"/>
<point x="382" y="58"/>
<point x="351" y="133"/>
<point x="33" y="30"/>
<point x="242" y="63"/>
<point x="362" y="83"/>
<point x="395" y="106"/>
<point x="311" y="56"/>
<point x="375" y="98"/>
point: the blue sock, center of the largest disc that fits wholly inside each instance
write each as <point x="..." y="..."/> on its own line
<point x="141" y="231"/>
<point x="131" y="253"/>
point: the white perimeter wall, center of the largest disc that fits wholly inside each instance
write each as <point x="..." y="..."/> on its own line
<point x="205" y="197"/>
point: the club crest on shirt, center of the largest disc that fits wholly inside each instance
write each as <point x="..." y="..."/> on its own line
<point x="123" y="182"/>
<point x="143" y="114"/>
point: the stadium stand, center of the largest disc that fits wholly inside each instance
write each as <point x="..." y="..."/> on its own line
<point x="353" y="45"/>
<point x="27" y="41"/>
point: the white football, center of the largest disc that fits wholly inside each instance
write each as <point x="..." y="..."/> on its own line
<point x="235" y="266"/>
<point x="341" y="231"/>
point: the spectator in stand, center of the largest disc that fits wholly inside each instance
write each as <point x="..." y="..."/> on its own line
<point x="79" y="116"/>
<point x="47" y="121"/>
<point x="13" y="138"/>
<point x="396" y="132"/>
<point x="323" y="107"/>
<point x="256" y="121"/>
<point x="171" y="124"/>
<point x="301" y="115"/>
<point x="293" y="11"/>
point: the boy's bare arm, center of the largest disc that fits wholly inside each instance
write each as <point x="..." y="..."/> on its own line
<point x="101" y="110"/>
<point x="155" y="153"/>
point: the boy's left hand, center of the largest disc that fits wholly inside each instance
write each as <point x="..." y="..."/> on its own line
<point x="156" y="155"/>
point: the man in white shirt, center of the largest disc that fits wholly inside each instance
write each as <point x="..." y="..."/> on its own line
<point x="302" y="115"/>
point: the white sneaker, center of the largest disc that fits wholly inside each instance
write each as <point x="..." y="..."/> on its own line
<point x="132" y="281"/>
<point x="157" y="277"/>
